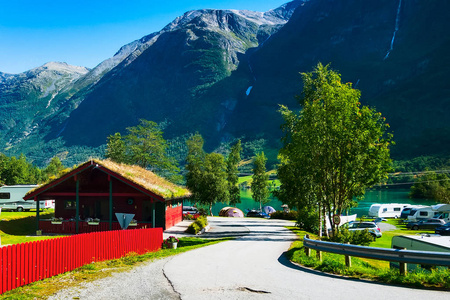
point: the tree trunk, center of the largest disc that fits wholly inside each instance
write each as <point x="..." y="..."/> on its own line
<point x="320" y="221"/>
<point x="210" y="210"/>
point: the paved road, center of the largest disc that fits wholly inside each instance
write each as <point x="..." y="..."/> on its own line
<point x="252" y="267"/>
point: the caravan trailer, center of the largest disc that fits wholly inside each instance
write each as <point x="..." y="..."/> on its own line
<point x="386" y="210"/>
<point x="442" y="211"/>
<point x="11" y="198"/>
<point x="418" y="214"/>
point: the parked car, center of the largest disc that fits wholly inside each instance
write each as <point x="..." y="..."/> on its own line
<point x="190" y="210"/>
<point x="443" y="230"/>
<point x="372" y="227"/>
<point x="425" y="224"/>
<point x="257" y="214"/>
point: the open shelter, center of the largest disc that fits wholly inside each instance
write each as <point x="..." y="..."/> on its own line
<point x="88" y="197"/>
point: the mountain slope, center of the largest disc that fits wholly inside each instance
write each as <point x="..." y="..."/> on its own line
<point x="23" y="97"/>
<point x="224" y="73"/>
<point x="408" y="86"/>
<point x="163" y="81"/>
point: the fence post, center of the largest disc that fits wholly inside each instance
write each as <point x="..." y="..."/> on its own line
<point x="348" y="260"/>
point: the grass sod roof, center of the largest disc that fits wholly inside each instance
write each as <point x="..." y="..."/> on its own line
<point x="139" y="176"/>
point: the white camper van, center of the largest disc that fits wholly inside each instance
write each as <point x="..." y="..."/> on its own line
<point x="442" y="211"/>
<point x="11" y="198"/>
<point x="418" y="214"/>
<point x="386" y="210"/>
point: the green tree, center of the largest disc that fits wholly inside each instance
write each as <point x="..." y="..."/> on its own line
<point x="144" y="146"/>
<point x="232" y="173"/>
<point x="335" y="148"/>
<point x="194" y="165"/>
<point x="18" y="171"/>
<point x="432" y="186"/>
<point x="260" y="180"/>
<point x="206" y="177"/>
<point x="116" y="148"/>
<point x="54" y="169"/>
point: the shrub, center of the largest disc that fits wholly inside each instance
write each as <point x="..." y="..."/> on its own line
<point x="198" y="225"/>
<point x="357" y="237"/>
<point x="308" y="220"/>
<point x="190" y="217"/>
<point x="193" y="228"/>
<point x="291" y="215"/>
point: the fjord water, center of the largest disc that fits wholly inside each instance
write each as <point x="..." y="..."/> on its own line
<point x="384" y="195"/>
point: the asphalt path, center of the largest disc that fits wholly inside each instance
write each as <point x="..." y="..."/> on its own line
<point x="253" y="267"/>
<point x="250" y="267"/>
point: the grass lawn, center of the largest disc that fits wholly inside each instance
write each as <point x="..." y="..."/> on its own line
<point x="369" y="268"/>
<point x="45" y="288"/>
<point x="20" y="227"/>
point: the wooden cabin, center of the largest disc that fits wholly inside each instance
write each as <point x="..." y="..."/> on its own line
<point x="88" y="197"/>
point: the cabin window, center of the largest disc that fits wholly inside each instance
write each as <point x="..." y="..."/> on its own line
<point x="423" y="213"/>
<point x="384" y="209"/>
<point x="397" y="208"/>
<point x="5" y="196"/>
<point x="70" y="204"/>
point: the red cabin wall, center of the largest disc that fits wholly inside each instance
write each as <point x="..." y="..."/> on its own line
<point x="174" y="213"/>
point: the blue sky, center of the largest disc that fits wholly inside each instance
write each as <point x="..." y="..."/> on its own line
<point x="86" y="32"/>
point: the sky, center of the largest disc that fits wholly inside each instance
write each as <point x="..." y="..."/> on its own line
<point x="86" y="32"/>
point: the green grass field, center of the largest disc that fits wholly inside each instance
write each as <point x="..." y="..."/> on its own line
<point x="371" y="269"/>
<point x="20" y="227"/>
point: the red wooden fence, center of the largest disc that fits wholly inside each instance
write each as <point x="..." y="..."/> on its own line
<point x="24" y="263"/>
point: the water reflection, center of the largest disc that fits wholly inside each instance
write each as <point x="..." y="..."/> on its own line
<point x="372" y="196"/>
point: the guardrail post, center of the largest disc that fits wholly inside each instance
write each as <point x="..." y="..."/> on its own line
<point x="403" y="267"/>
<point x="307" y="250"/>
<point x="348" y="260"/>
<point x="319" y="255"/>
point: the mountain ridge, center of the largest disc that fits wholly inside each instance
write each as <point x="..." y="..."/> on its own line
<point x="223" y="73"/>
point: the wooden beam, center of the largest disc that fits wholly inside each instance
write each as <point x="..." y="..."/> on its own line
<point x="71" y="194"/>
<point x="36" y="198"/>
<point x="110" y="202"/>
<point x="77" y="205"/>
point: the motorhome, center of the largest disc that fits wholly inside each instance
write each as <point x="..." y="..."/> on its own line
<point x="442" y="211"/>
<point x="11" y="198"/>
<point x="386" y="210"/>
<point x="408" y="209"/>
<point x="425" y="212"/>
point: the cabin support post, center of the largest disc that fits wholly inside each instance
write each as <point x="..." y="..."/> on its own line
<point x="153" y="214"/>
<point x="110" y="203"/>
<point x="77" y="203"/>
<point x="36" y="198"/>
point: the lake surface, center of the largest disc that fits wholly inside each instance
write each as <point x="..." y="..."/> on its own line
<point x="371" y="197"/>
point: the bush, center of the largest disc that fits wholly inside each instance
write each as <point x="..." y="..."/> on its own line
<point x="193" y="228"/>
<point x="356" y="237"/>
<point x="291" y="215"/>
<point x="198" y="225"/>
<point x="308" y="220"/>
<point x="190" y="217"/>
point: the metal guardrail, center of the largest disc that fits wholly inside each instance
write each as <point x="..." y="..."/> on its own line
<point x="396" y="255"/>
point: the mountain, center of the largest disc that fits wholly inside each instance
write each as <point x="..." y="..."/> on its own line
<point x="26" y="96"/>
<point x="395" y="52"/>
<point x="223" y="73"/>
<point x="168" y="72"/>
